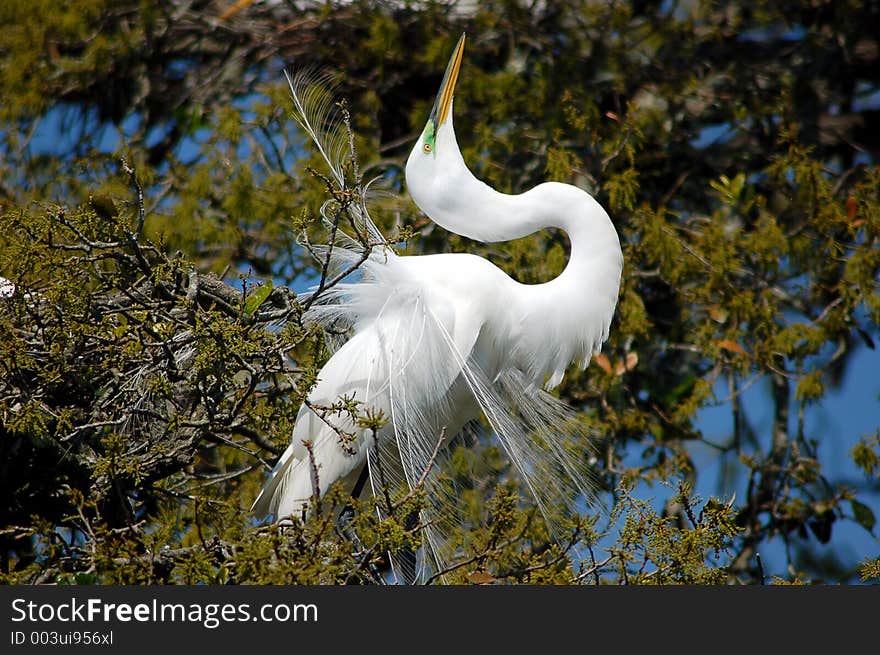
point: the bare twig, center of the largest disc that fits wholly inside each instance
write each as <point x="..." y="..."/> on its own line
<point x="313" y="468"/>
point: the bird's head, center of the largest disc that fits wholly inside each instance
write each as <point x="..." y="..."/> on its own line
<point x="441" y="114"/>
<point x="435" y="157"/>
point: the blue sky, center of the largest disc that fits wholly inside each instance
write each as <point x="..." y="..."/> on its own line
<point x="846" y="414"/>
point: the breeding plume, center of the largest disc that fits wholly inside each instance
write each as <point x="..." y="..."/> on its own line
<point x="439" y="340"/>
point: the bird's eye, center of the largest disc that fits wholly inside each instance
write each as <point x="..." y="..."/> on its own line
<point x="427" y="147"/>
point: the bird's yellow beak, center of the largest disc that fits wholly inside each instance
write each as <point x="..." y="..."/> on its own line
<point x="444" y="97"/>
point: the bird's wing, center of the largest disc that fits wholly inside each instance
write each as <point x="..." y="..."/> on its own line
<point x="405" y="353"/>
<point x="417" y="358"/>
<point x="437" y="377"/>
<point x="409" y="343"/>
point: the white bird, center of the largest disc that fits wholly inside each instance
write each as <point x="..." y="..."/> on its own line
<point x="438" y="340"/>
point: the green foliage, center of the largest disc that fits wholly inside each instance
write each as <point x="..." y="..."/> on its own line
<point x="657" y="549"/>
<point x="866" y="455"/>
<point x="870" y="570"/>
<point x="153" y="359"/>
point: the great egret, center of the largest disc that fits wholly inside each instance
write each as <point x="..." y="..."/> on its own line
<point x="438" y="340"/>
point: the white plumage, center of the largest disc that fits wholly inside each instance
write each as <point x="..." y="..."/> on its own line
<point x="438" y="340"/>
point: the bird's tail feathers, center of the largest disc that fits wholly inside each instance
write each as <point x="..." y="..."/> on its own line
<point x="323" y="120"/>
<point x="319" y="116"/>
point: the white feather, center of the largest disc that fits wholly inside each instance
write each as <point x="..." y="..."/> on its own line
<point x="440" y="340"/>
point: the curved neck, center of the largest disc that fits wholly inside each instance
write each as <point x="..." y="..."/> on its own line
<point x="445" y="189"/>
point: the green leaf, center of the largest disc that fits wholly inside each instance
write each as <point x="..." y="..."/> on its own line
<point x="869" y="570"/>
<point x="864" y="515"/>
<point x="257" y="298"/>
<point x="682" y="389"/>
<point x="810" y="387"/>
<point x="729" y="190"/>
<point x="622" y="189"/>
